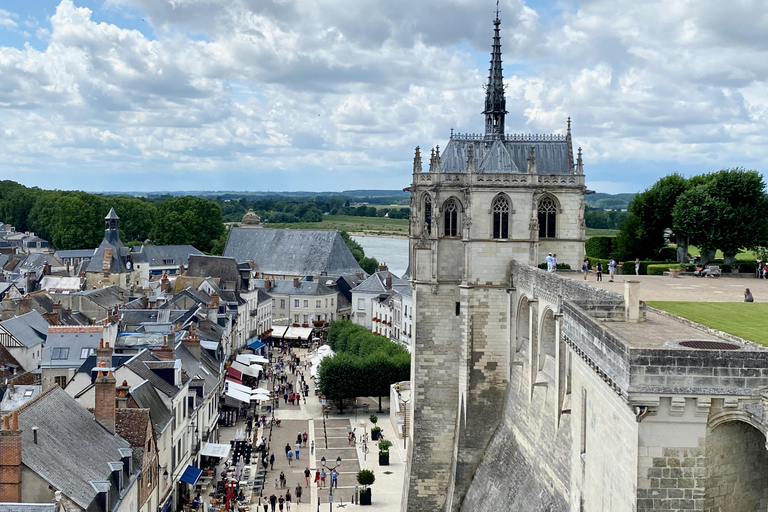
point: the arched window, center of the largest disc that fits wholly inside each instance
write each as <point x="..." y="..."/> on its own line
<point x="501" y="217"/>
<point x="547" y="218"/>
<point x="451" y="217"/>
<point x="427" y="215"/>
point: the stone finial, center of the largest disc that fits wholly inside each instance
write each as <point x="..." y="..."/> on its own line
<point x="569" y="125"/>
<point x="470" y="160"/>
<point x="532" y="161"/>
<point x="417" y="160"/>
<point x="579" y="163"/>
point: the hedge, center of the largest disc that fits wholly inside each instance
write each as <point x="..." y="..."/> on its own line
<point x="560" y="266"/>
<point x="599" y="246"/>
<point x="658" y="269"/>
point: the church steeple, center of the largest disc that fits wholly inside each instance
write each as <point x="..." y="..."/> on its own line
<point x="495" y="103"/>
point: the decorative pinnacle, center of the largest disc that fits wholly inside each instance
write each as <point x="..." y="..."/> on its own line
<point x="569" y="125"/>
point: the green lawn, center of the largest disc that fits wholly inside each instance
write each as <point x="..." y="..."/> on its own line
<point x="743" y="319"/>
<point x="601" y="232"/>
<point x="368" y="225"/>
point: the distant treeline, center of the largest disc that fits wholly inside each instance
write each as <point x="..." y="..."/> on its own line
<point x="281" y="209"/>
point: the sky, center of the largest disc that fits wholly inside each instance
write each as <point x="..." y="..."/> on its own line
<point x="330" y="95"/>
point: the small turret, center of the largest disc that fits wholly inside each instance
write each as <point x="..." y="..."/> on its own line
<point x="579" y="164"/>
<point x="470" y="160"/>
<point x="417" y="161"/>
<point x="532" y="161"/>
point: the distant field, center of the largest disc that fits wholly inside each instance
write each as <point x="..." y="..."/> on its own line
<point x="368" y="225"/>
<point x="743" y="319"/>
<point x="601" y="232"/>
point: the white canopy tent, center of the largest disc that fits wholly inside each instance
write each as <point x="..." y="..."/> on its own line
<point x="237" y="394"/>
<point x="252" y="370"/>
<point x="250" y="359"/>
<point x="322" y="353"/>
<point x="216" y="450"/>
<point x="298" y="333"/>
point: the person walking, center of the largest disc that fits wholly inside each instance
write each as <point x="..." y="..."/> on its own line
<point x="282" y="479"/>
<point x="265" y="503"/>
<point x="273" y="501"/>
<point x="307" y="474"/>
<point x="296" y="449"/>
<point x="637" y="266"/>
<point x="585" y="267"/>
<point x="599" y="270"/>
<point x="290" y="457"/>
<point x="272" y="461"/>
<point x="317" y="477"/>
<point x="611" y="269"/>
<point x="312" y="449"/>
<point x="322" y="478"/>
<point x="554" y="262"/>
<point x="288" y="500"/>
<point x="334" y="478"/>
<point x="281" y="503"/>
<point x="305" y="436"/>
<point x="298" y="491"/>
<point x="548" y="259"/>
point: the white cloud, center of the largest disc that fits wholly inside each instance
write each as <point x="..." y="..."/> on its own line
<point x="255" y="86"/>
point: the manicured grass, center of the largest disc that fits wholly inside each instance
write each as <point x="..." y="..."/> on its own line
<point x="743" y="255"/>
<point x="743" y="319"/>
<point x="367" y="225"/>
<point x="601" y="232"/>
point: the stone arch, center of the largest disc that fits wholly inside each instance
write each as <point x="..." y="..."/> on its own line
<point x="547" y="344"/>
<point x="501" y="216"/>
<point x="522" y="325"/>
<point x="452" y="216"/>
<point x="737" y="467"/>
<point x="548" y="208"/>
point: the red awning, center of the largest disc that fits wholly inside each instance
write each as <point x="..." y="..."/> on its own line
<point x="234" y="373"/>
<point x="232" y="379"/>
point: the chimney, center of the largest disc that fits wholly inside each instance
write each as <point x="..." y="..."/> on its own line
<point x="632" y="301"/>
<point x="144" y="300"/>
<point x="104" y="402"/>
<point x="122" y="395"/>
<point x="267" y="284"/>
<point x="25" y="306"/>
<point x="57" y="308"/>
<point x="181" y="269"/>
<point x="205" y="323"/>
<point x="165" y="352"/>
<point x="389" y="281"/>
<point x="295" y="282"/>
<point x="10" y="459"/>
<point x="47" y="269"/>
<point x="104" y="354"/>
<point x="165" y="284"/>
<point x="215" y="301"/>
<point x="192" y="342"/>
<point x="68" y="273"/>
<point x="383" y="267"/>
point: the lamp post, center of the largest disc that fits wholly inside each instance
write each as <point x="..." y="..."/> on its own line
<point x="330" y="491"/>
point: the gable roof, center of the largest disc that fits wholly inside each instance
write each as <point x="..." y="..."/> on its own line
<point x="145" y="396"/>
<point x="131" y="425"/>
<point x="107" y="297"/>
<point x="73" y="449"/>
<point x="295" y="252"/>
<point x="138" y="366"/>
<point x="29" y="329"/>
<point x="376" y="283"/>
<point x="164" y="255"/>
<point x="73" y="342"/>
<point x="223" y="267"/>
<point x="286" y="287"/>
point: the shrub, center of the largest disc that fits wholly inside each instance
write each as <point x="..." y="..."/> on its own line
<point x="658" y="269"/>
<point x="560" y="266"/>
<point x="384" y="446"/>
<point x="373" y="419"/>
<point x="599" y="246"/>
<point x="747" y="266"/>
<point x="365" y="477"/>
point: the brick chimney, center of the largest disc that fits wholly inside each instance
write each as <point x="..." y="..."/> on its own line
<point x="181" y="269"/>
<point x="122" y="395"/>
<point x="295" y="282"/>
<point x="389" y="281"/>
<point x="104" y="354"/>
<point x="57" y="309"/>
<point x="10" y="459"/>
<point x="267" y="284"/>
<point x="192" y="342"/>
<point x="144" y="300"/>
<point x="104" y="402"/>
<point x="25" y="306"/>
<point x="215" y="301"/>
<point x="166" y="351"/>
<point x="383" y="267"/>
<point x="165" y="284"/>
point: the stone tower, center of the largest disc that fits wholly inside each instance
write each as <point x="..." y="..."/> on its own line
<point x="486" y="200"/>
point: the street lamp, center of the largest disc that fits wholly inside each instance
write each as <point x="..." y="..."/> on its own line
<point x="330" y="491"/>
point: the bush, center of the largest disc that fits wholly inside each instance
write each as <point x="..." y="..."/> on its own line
<point x="726" y="268"/>
<point x="658" y="269"/>
<point x="560" y="266"/>
<point x="384" y="446"/>
<point x="747" y="266"/>
<point x="373" y="419"/>
<point x="599" y="246"/>
<point x="365" y="477"/>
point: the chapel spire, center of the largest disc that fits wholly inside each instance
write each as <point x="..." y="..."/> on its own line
<point x="495" y="103"/>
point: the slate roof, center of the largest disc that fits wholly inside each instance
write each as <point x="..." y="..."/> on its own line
<point x="107" y="298"/>
<point x="30" y="328"/>
<point x="74" y="253"/>
<point x="21" y="394"/>
<point x="286" y="287"/>
<point x="90" y="363"/>
<point x="376" y="283"/>
<point x="157" y="255"/>
<point x="131" y="425"/>
<point x="223" y="267"/>
<point x="291" y="251"/>
<point x="508" y="156"/>
<point x="73" y="449"/>
<point x="138" y="366"/>
<point x="145" y="396"/>
<point x="75" y="342"/>
<point x="58" y="284"/>
<point x="196" y="369"/>
<point x="27" y="507"/>
<point x="117" y="262"/>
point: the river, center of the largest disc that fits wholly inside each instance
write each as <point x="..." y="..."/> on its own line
<point x="392" y="251"/>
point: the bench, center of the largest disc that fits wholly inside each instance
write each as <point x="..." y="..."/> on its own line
<point x="714" y="271"/>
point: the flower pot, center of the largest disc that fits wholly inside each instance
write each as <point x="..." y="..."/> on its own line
<point x="375" y="435"/>
<point x="365" y="497"/>
<point x="383" y="459"/>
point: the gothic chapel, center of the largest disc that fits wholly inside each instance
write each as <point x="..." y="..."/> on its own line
<point x="487" y="199"/>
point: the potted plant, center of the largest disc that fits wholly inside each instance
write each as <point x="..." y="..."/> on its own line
<point x="365" y="477"/>
<point x="375" y="431"/>
<point x="384" y="447"/>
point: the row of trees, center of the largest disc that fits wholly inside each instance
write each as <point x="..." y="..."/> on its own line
<point x="75" y="220"/>
<point x="725" y="210"/>
<point x="365" y="364"/>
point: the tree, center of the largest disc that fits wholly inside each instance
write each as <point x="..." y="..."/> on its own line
<point x="188" y="220"/>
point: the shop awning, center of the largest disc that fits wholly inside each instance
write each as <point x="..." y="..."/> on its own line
<point x="298" y="333"/>
<point x="256" y="345"/>
<point x="249" y="359"/>
<point x="238" y="395"/>
<point x="191" y="475"/>
<point x="252" y="371"/>
<point x="237" y="374"/>
<point x="278" y="331"/>
<point x="209" y="345"/>
<point x="215" y="450"/>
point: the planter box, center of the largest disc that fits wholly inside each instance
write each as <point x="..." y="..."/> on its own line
<point x="383" y="459"/>
<point x="375" y="435"/>
<point x="365" y="498"/>
<point x="675" y="272"/>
